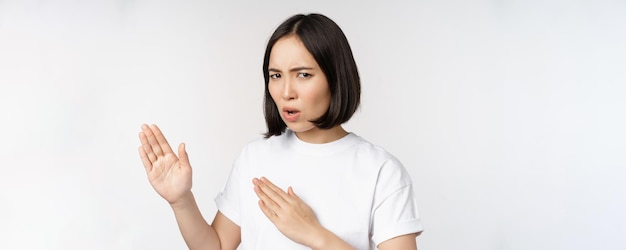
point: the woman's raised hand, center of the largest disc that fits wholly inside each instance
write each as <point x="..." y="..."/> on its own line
<point x="169" y="175"/>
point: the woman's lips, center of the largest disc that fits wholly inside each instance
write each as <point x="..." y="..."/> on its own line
<point x="290" y="114"/>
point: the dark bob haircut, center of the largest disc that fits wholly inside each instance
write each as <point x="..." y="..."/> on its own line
<point x="329" y="47"/>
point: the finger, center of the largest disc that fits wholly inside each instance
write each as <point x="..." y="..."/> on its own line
<point x="154" y="144"/>
<point x="145" y="145"/>
<point x="293" y="197"/>
<point x="263" y="196"/>
<point x="282" y="195"/>
<point x="147" y="164"/>
<point x="276" y="194"/>
<point x="267" y="211"/>
<point x="291" y="193"/>
<point x="274" y="190"/>
<point x="182" y="155"/>
<point x="158" y="135"/>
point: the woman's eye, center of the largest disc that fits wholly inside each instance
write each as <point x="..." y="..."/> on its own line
<point x="304" y="75"/>
<point x="275" y="76"/>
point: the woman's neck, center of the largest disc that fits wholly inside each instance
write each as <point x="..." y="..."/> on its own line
<point x="319" y="136"/>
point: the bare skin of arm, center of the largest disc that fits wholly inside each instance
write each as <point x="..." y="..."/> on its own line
<point x="170" y="176"/>
<point x="403" y="242"/>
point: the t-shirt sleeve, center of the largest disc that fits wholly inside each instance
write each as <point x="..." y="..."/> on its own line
<point x="395" y="207"/>
<point x="227" y="201"/>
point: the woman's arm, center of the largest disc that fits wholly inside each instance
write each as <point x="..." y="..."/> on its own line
<point x="229" y="233"/>
<point x="170" y="176"/>
<point x="198" y="234"/>
<point x="403" y="242"/>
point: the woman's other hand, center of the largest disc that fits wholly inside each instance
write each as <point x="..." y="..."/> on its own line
<point x="293" y="217"/>
<point x="169" y="175"/>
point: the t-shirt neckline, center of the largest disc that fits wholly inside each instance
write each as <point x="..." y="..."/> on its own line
<point x="319" y="148"/>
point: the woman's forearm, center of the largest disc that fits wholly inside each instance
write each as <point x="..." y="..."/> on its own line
<point x="328" y="240"/>
<point x="198" y="234"/>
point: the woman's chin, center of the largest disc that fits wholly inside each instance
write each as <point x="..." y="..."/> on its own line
<point x="301" y="128"/>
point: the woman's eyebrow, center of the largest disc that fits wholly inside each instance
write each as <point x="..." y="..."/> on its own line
<point x="292" y="69"/>
<point x="300" y="68"/>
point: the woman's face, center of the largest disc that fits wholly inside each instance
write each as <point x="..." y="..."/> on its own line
<point x="297" y="85"/>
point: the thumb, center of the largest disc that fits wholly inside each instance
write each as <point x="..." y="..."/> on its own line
<point x="290" y="192"/>
<point x="182" y="154"/>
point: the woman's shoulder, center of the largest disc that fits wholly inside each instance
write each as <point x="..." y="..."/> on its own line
<point x="367" y="148"/>
<point x="388" y="165"/>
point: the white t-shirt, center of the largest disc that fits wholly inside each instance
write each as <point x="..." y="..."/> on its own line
<point x="357" y="190"/>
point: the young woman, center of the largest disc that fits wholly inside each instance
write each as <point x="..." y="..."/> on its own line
<point x="309" y="184"/>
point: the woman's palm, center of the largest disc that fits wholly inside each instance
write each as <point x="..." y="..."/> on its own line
<point x="169" y="175"/>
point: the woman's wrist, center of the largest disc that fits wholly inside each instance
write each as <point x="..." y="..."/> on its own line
<point x="328" y="240"/>
<point x="184" y="202"/>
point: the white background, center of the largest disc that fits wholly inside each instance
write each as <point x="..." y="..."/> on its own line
<point x="509" y="115"/>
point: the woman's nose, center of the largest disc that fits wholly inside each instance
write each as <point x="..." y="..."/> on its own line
<point x="289" y="92"/>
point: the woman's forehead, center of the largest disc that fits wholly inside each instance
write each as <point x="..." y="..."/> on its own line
<point x="290" y="52"/>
